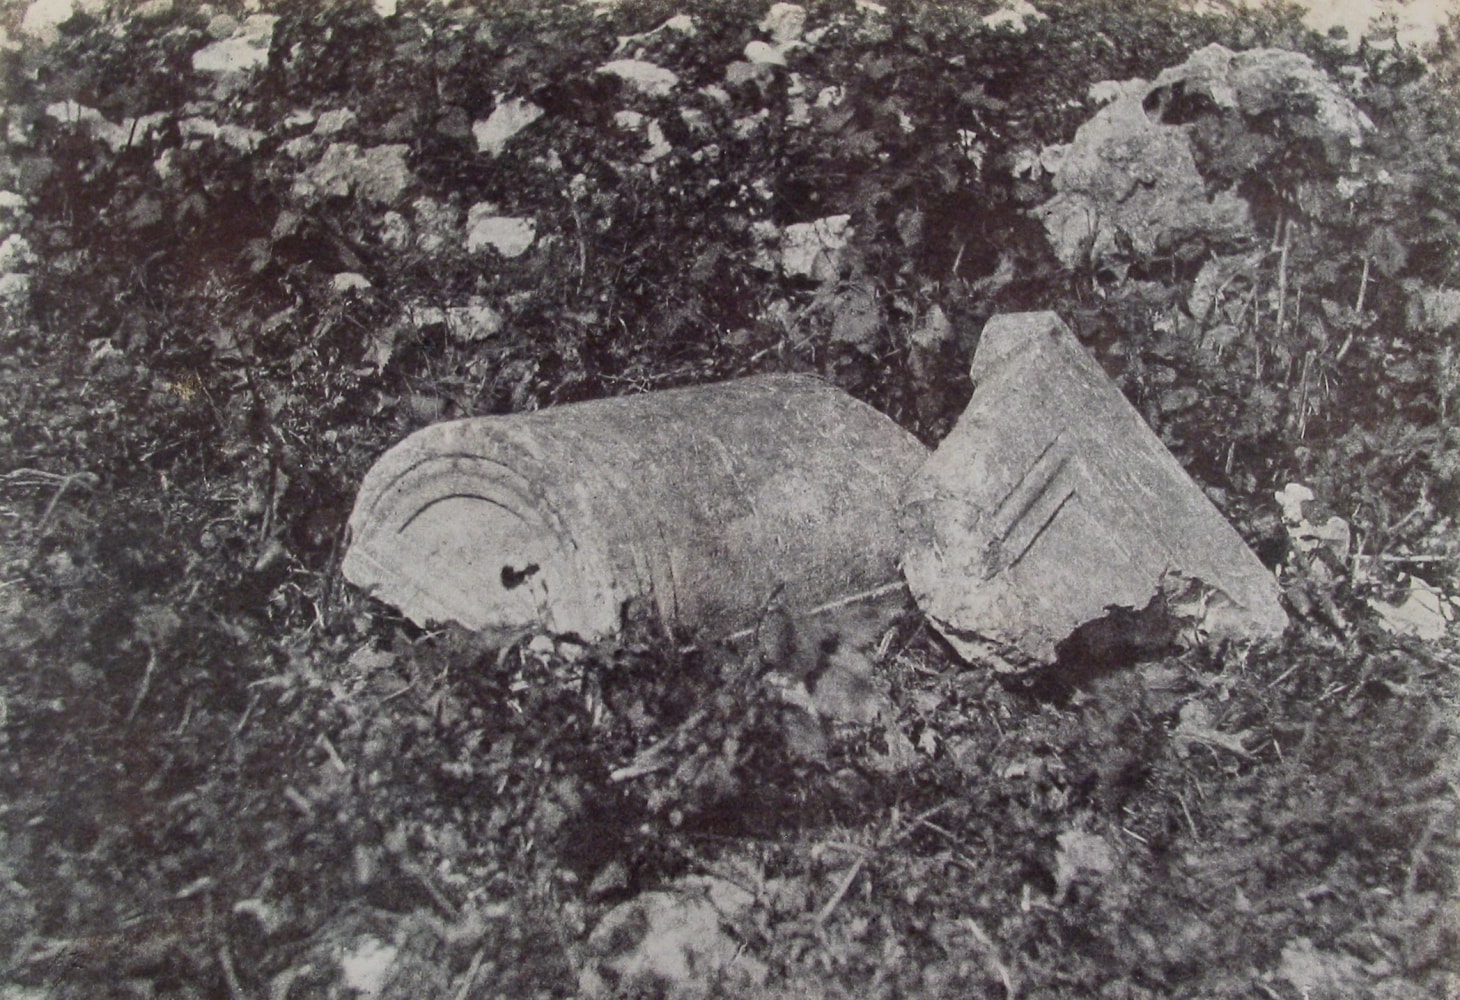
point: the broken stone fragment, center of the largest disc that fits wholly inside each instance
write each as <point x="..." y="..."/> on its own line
<point x="245" y="49"/>
<point x="786" y="23"/>
<point x="1051" y="510"/>
<point x="1129" y="183"/>
<point x="1015" y="16"/>
<point x="43" y="19"/>
<point x="376" y="174"/>
<point x="814" y="249"/>
<point x="674" y="942"/>
<point x="692" y="504"/>
<point x="645" y="77"/>
<point x="506" y="120"/>
<point x="510" y="236"/>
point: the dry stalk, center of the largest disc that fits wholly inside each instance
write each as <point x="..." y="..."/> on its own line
<point x="230" y="975"/>
<point x="1286" y="229"/>
<point x="995" y="959"/>
<point x="146" y="682"/>
<point x="471" y="974"/>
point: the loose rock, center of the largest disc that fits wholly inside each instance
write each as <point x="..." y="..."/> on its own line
<point x="645" y="77"/>
<point x="506" y="120"/>
<point x="246" y="49"/>
<point x="508" y="235"/>
<point x="814" y="249"/>
<point x="1129" y="182"/>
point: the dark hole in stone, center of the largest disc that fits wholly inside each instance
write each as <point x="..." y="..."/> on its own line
<point x="513" y="578"/>
<point x="1175" y="105"/>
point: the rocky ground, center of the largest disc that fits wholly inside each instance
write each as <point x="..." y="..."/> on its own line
<point x="246" y="247"/>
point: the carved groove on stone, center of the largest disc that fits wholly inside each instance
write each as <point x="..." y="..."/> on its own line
<point x="1031" y="506"/>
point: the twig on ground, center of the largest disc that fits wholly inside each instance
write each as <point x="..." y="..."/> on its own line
<point x="995" y="959"/>
<point x="471" y="974"/>
<point x="841" y="890"/>
<point x="56" y="497"/>
<point x="146" y="683"/>
<point x="895" y="835"/>
<point x="230" y="975"/>
<point x="247" y="712"/>
<point x="1417" y="855"/>
<point x="1187" y="813"/>
<point x="1283" y="676"/>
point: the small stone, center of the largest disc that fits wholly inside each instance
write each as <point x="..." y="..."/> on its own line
<point x="71" y="113"/>
<point x="506" y="120"/>
<point x="647" y="78"/>
<point x="681" y="23"/>
<point x="15" y="252"/>
<point x="395" y="231"/>
<point x="14" y="288"/>
<point x="764" y="54"/>
<point x="785" y="22"/>
<point x="1424" y="613"/>
<point x="334" y="121"/>
<point x="814" y="249"/>
<point x="367" y="966"/>
<point x="856" y="316"/>
<point x="424" y="317"/>
<point x="1015" y="16"/>
<point x="438" y="225"/>
<point x="378" y="174"/>
<point x="221" y="26"/>
<point x="349" y="281"/>
<point x="739" y="73"/>
<point x="509" y="236"/>
<point x="475" y="321"/>
<point x="236" y="137"/>
<point x="659" y="146"/>
<point x="934" y="333"/>
<point x="650" y="129"/>
<point x="43" y="19"/>
<point x="1435" y="310"/>
<point x="674" y="941"/>
<point x="246" y="49"/>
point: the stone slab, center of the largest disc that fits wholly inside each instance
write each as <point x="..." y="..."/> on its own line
<point x="1052" y="505"/>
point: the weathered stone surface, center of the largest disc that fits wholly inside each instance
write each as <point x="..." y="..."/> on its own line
<point x="814" y="249"/>
<point x="245" y="49"/>
<point x="676" y="942"/>
<point x="509" y="235"/>
<point x="507" y="119"/>
<point x="1129" y="181"/>
<point x="1015" y="16"/>
<point x="645" y="77"/>
<point x="376" y="174"/>
<point x="43" y="18"/>
<point x="695" y="504"/>
<point x="1051" y="502"/>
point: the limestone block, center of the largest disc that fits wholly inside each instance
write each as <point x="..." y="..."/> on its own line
<point x="1052" y="503"/>
<point x="696" y="504"/>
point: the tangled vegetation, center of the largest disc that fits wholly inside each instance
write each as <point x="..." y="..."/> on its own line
<point x="227" y="291"/>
